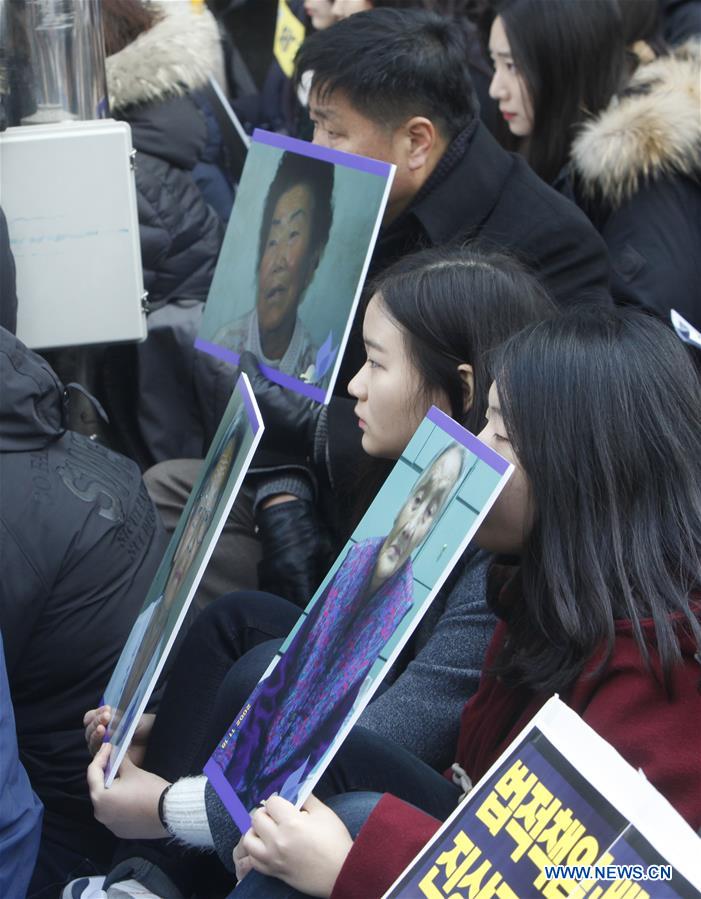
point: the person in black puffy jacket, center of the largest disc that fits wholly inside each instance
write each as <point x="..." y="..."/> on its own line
<point x="151" y="80"/>
<point x="159" y="58"/>
<point x="80" y="542"/>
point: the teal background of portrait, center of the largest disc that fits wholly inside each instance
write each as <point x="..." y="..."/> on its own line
<point x="357" y="197"/>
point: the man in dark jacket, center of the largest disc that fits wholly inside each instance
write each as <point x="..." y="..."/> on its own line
<point x="394" y="84"/>
<point x="80" y="542"/>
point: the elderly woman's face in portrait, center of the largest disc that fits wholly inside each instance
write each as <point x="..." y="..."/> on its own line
<point x="417" y="515"/>
<point x="284" y="266"/>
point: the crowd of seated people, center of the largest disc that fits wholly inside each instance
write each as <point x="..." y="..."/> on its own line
<point x="543" y="221"/>
<point x="376" y="94"/>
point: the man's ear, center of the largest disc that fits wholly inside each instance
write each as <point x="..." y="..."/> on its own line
<point x="422" y="139"/>
<point x="467" y="376"/>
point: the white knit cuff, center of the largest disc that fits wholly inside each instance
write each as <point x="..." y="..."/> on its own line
<point x="185" y="813"/>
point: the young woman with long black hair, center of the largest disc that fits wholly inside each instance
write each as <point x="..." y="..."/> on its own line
<point x="618" y="130"/>
<point x="599" y="598"/>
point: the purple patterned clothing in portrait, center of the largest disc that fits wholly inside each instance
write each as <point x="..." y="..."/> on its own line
<point x="295" y="713"/>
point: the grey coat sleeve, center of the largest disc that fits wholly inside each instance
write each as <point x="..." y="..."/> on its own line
<point x="421" y="710"/>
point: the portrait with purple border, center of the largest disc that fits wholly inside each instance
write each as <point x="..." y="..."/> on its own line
<point x="294" y="259"/>
<point x="374" y="595"/>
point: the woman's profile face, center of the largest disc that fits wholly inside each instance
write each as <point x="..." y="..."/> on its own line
<point x="509" y="521"/>
<point x="388" y="388"/>
<point x="508" y="86"/>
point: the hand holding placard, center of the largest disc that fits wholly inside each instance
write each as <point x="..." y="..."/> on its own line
<point x="290" y="418"/>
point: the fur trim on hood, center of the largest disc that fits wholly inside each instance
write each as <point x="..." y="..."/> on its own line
<point x="173" y="57"/>
<point x="650" y="131"/>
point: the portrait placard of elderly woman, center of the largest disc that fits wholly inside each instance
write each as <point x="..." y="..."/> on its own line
<point x="182" y="566"/>
<point x="297" y="710"/>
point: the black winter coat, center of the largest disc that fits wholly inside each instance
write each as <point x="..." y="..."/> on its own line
<point x="80" y="542"/>
<point x="654" y="240"/>
<point x="180" y="233"/>
<point x="153" y="84"/>
<point x="637" y="173"/>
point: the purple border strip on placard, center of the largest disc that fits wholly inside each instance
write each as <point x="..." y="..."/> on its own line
<point x="326" y="154"/>
<point x="485" y="453"/>
<point x="226" y="793"/>
<point x="252" y="417"/>
<point x="315" y="393"/>
<point x="215" y="350"/>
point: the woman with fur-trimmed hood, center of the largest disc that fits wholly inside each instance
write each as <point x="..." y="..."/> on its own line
<point x="619" y="131"/>
<point x="637" y="171"/>
<point x="159" y="57"/>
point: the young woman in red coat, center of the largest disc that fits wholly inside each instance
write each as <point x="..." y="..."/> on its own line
<point x="600" y="411"/>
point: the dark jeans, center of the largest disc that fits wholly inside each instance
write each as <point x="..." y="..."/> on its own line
<point x="368" y="762"/>
<point x="352" y="808"/>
